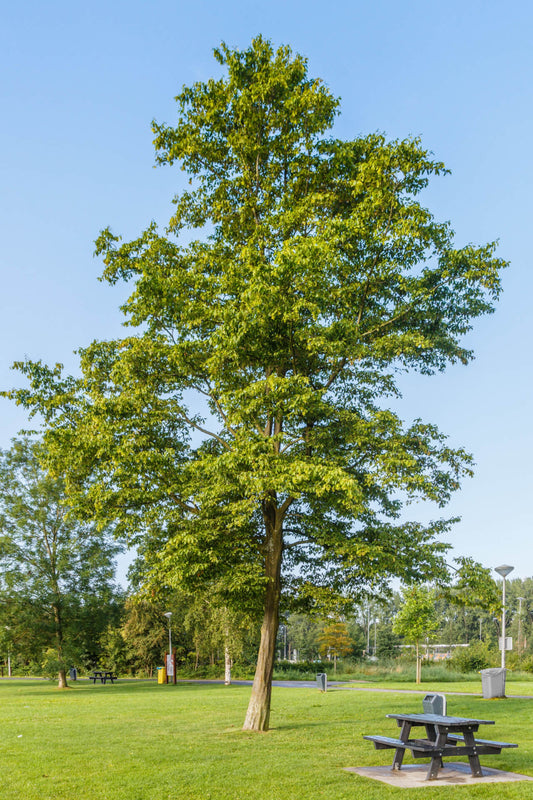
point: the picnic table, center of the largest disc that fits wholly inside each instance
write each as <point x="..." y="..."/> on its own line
<point x="445" y="736"/>
<point x="103" y="676"/>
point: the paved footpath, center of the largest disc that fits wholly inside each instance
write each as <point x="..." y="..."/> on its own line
<point x="344" y="687"/>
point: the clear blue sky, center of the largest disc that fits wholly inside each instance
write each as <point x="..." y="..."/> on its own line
<point x="80" y="84"/>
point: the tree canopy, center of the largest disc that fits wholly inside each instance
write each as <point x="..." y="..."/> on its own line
<point x="241" y="432"/>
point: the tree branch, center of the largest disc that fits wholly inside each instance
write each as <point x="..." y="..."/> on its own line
<point x="204" y="430"/>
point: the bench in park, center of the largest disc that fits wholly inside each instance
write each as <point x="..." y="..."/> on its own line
<point x="103" y="676"/>
<point x="445" y="737"/>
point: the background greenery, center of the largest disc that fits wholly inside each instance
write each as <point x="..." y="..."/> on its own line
<point x="130" y="636"/>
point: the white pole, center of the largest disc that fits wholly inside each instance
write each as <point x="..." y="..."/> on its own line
<point x="519" y="643"/>
<point x="503" y="624"/>
<point x="504" y="571"/>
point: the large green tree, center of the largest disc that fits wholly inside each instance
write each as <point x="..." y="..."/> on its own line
<point x="241" y="430"/>
<point x="56" y="573"/>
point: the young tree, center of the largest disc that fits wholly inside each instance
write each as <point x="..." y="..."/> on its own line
<point x="417" y="619"/>
<point x="335" y="641"/>
<point x="387" y="642"/>
<point x="216" y="630"/>
<point x="51" y="565"/>
<point x="243" y="427"/>
<point x="145" y="632"/>
<point x="302" y="634"/>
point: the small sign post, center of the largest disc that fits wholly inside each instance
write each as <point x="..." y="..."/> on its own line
<point x="170" y="661"/>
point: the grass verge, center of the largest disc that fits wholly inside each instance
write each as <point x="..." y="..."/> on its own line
<point x="142" y="741"/>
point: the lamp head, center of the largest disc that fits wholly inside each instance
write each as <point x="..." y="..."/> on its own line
<point x="504" y="570"/>
<point x="168" y="614"/>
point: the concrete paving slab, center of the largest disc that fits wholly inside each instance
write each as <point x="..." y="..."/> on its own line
<point x="413" y="776"/>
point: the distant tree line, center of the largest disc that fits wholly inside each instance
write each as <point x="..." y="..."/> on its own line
<point x="61" y="607"/>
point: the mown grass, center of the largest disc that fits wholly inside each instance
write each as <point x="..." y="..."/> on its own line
<point x="141" y="741"/>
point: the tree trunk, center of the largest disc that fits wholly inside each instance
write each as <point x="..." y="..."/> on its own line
<point x="62" y="682"/>
<point x="62" y="677"/>
<point x="418" y="666"/>
<point x="227" y="666"/>
<point x="258" y="714"/>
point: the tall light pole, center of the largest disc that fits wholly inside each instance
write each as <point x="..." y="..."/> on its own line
<point x="519" y="643"/>
<point x="168" y="615"/>
<point x="504" y="571"/>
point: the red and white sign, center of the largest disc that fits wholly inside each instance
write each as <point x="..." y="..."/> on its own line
<point x="170" y="666"/>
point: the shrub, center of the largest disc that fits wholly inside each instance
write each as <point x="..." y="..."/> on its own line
<point x="473" y="658"/>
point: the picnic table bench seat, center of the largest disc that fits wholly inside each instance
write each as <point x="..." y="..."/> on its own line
<point x="421" y="747"/>
<point x="417" y="746"/>
<point x="456" y="737"/>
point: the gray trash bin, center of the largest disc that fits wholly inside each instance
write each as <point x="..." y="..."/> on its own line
<point x="434" y="704"/>
<point x="493" y="682"/>
<point x="322" y="681"/>
<point x="73" y="674"/>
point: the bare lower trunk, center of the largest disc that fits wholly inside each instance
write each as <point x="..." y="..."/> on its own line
<point x="227" y="666"/>
<point x="62" y="682"/>
<point x="62" y="677"/>
<point x="258" y="714"/>
<point x="418" y="666"/>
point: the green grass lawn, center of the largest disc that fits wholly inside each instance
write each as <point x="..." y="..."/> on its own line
<point x="141" y="741"/>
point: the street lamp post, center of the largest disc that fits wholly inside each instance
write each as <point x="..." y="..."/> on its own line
<point x="504" y="571"/>
<point x="168" y="615"/>
<point x="519" y="637"/>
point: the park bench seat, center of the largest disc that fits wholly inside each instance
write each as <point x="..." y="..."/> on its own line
<point x="446" y="737"/>
<point x="485" y="742"/>
<point x="421" y="748"/>
<point x="415" y="745"/>
<point x="103" y="676"/>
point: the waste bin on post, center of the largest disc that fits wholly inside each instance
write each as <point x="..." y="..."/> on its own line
<point x="322" y="681"/>
<point x="161" y="675"/>
<point x="434" y="704"/>
<point x="493" y="682"/>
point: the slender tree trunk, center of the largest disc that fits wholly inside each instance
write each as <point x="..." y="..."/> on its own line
<point x="62" y="677"/>
<point x="418" y="666"/>
<point x="258" y="714"/>
<point x="227" y="649"/>
<point x="227" y="667"/>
